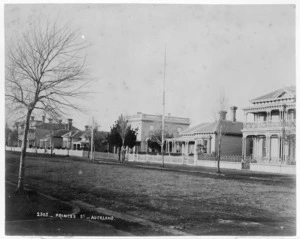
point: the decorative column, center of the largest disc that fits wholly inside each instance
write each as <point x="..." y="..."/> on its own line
<point x="209" y="145"/>
<point x="195" y="152"/>
<point x="255" y="151"/>
<point x="268" y="147"/>
<point x="282" y="149"/>
<point x="186" y="148"/>
<point x="244" y="147"/>
<point x="279" y="146"/>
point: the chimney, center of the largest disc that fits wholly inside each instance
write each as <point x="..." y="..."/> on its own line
<point x="69" y="124"/>
<point x="222" y="115"/>
<point x="86" y="128"/>
<point x="43" y="118"/>
<point x="60" y="121"/>
<point x="233" y="113"/>
<point x="50" y="120"/>
<point x="32" y="118"/>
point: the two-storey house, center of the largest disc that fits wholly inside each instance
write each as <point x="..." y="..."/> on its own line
<point x="42" y="133"/>
<point x="269" y="128"/>
<point x="148" y="124"/>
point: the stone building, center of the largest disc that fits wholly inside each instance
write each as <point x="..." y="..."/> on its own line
<point x="204" y="137"/>
<point x="146" y="124"/>
<point x="269" y="128"/>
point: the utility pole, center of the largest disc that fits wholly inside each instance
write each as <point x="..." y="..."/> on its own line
<point x="163" y="114"/>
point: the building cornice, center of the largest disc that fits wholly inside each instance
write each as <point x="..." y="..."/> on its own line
<point x="270" y="106"/>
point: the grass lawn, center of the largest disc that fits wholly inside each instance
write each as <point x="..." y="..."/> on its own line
<point x="197" y="204"/>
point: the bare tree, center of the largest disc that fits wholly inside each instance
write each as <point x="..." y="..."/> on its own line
<point x="123" y="128"/>
<point x="222" y="105"/>
<point x="156" y="140"/>
<point x="45" y="69"/>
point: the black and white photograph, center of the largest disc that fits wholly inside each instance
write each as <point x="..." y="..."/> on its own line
<point x="149" y="119"/>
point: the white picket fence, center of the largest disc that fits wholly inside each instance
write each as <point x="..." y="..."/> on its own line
<point x="168" y="159"/>
<point x="65" y="152"/>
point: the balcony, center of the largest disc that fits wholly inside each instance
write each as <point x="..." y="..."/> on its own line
<point x="269" y="125"/>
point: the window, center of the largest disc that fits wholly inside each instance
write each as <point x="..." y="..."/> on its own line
<point x="291" y="115"/>
<point x="264" y="154"/>
<point x="151" y="127"/>
<point x="205" y="146"/>
<point x="275" y="116"/>
<point x="262" y="117"/>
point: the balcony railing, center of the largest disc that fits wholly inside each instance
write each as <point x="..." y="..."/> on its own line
<point x="269" y="124"/>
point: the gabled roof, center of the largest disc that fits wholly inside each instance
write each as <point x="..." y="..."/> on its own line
<point x="287" y="92"/>
<point x="73" y="134"/>
<point x="47" y="126"/>
<point x="42" y="125"/>
<point x="228" y="127"/>
<point x="191" y="130"/>
<point x="60" y="132"/>
<point x="99" y="134"/>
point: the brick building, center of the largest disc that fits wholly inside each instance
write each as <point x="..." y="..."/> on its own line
<point x="146" y="124"/>
<point x="41" y="133"/>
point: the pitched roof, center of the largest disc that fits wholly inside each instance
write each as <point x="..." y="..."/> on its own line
<point x="99" y="134"/>
<point x="73" y="134"/>
<point x="49" y="126"/>
<point x="190" y="130"/>
<point x="43" y="125"/>
<point x="229" y="127"/>
<point x="60" y="132"/>
<point x="291" y="90"/>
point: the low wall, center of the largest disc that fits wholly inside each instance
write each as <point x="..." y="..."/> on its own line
<point x="271" y="168"/>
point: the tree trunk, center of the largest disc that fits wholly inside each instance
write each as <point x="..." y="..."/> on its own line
<point x="119" y="154"/>
<point x="51" y="146"/>
<point x="123" y="149"/>
<point x="219" y="148"/>
<point x="162" y="155"/>
<point x="123" y="155"/>
<point x="20" y="186"/>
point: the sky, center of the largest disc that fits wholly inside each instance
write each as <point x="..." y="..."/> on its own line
<point x="243" y="50"/>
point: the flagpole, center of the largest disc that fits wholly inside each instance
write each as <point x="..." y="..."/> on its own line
<point x="92" y="140"/>
<point x="163" y="115"/>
